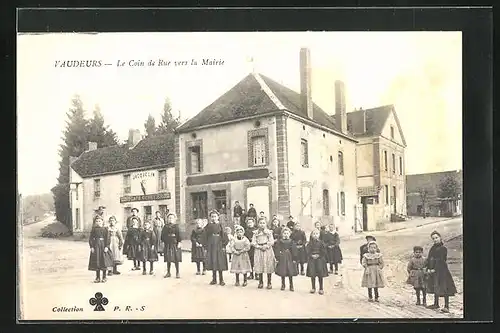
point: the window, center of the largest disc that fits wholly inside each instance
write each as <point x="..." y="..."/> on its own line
<point x="342" y="203"/>
<point x="97" y="188"/>
<point x="77" y="217"/>
<point x="338" y="205"/>
<point x="306" y="201"/>
<point x="259" y="150"/>
<point x="385" y="160"/>
<point x="393" y="164"/>
<point x="326" y="203"/>
<point x="148" y="213"/>
<point x="162" y="180"/>
<point x="126" y="184"/>
<point x="220" y="201"/>
<point x="199" y="205"/>
<point x="393" y="199"/>
<point x="194" y="154"/>
<point x="392" y="132"/>
<point x="304" y="153"/>
<point x="127" y="211"/>
<point x="400" y="165"/>
<point x="386" y="193"/>
<point x="341" y="163"/>
<point x="76" y="192"/>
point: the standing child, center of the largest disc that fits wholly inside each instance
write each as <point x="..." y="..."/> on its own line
<point x="216" y="241"/>
<point x="230" y="238"/>
<point x="321" y="228"/>
<point x="440" y="282"/>
<point x="416" y="274"/>
<point x="373" y="277"/>
<point x="131" y="244"/>
<point x="100" y="256"/>
<point x="148" y="247"/>
<point x="116" y="244"/>
<point x="333" y="252"/>
<point x="286" y="254"/>
<point x="299" y="237"/>
<point x="171" y="237"/>
<point x="264" y="260"/>
<point x="241" y="261"/>
<point x="249" y="231"/>
<point x="198" y="251"/>
<point x="105" y="224"/>
<point x="158" y="224"/>
<point x="316" y="263"/>
<point x="276" y="229"/>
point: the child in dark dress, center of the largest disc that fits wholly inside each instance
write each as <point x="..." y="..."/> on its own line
<point x="276" y="229"/>
<point x="215" y="240"/>
<point x="440" y="282"/>
<point x="198" y="251"/>
<point x="171" y="237"/>
<point x="249" y="231"/>
<point x="286" y="255"/>
<point x="331" y="239"/>
<point x="131" y="244"/>
<point x="299" y="237"/>
<point x="148" y="247"/>
<point x="100" y="258"/>
<point x="416" y="274"/>
<point x="316" y="264"/>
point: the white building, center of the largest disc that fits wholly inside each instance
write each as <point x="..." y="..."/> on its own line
<point x="139" y="174"/>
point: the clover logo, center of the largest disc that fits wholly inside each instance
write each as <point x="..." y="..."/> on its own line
<point x="98" y="301"/>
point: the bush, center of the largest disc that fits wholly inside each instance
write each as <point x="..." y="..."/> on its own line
<point x="55" y="230"/>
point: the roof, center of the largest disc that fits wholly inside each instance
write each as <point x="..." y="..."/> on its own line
<point x="253" y="95"/>
<point x="149" y="152"/>
<point x="430" y="181"/>
<point x="376" y="119"/>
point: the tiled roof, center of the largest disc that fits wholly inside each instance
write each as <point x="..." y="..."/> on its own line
<point x="368" y="191"/>
<point x="375" y="120"/>
<point x="430" y="181"/>
<point x="249" y="98"/>
<point x="149" y="152"/>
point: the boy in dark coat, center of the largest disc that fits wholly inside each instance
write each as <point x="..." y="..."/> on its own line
<point x="364" y="248"/>
<point x="198" y="251"/>
<point x="134" y="211"/>
<point x="299" y="237"/>
<point x="215" y="241"/>
<point x="252" y="212"/>
<point x="171" y="237"/>
<point x="243" y="218"/>
<point x="100" y="255"/>
<point x="249" y="231"/>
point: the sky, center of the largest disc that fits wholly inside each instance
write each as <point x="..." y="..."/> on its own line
<point x="419" y="72"/>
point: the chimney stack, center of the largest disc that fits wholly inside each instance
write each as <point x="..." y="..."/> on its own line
<point x="340" y="107"/>
<point x="92" y="146"/>
<point x="134" y="136"/>
<point x="305" y="82"/>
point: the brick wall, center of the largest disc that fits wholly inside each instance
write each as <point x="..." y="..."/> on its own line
<point x="282" y="159"/>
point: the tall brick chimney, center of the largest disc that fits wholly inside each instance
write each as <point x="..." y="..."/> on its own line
<point x="340" y="107"/>
<point x="134" y="136"/>
<point x="305" y="82"/>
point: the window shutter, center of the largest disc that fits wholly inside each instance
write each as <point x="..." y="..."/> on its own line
<point x="188" y="160"/>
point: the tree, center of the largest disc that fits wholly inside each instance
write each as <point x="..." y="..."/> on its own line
<point x="424" y="197"/>
<point x="150" y="126"/>
<point x="100" y="133"/>
<point x="74" y="144"/>
<point x="449" y="188"/>
<point x="168" y="121"/>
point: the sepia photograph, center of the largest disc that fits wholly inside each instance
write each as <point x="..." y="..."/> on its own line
<point x="240" y="175"/>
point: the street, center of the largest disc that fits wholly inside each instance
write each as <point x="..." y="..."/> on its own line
<point x="54" y="276"/>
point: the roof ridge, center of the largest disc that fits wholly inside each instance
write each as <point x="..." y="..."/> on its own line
<point x="269" y="92"/>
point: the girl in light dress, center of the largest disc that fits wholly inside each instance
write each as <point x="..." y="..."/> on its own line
<point x="240" y="245"/>
<point x="230" y="237"/>
<point x="116" y="244"/>
<point x="373" y="278"/>
<point x="264" y="259"/>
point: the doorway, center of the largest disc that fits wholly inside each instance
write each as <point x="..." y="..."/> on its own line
<point x="394" y="210"/>
<point x="259" y="197"/>
<point x="199" y="205"/>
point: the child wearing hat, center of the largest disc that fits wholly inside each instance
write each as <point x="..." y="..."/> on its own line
<point x="215" y="240"/>
<point x="134" y="215"/>
<point x="240" y="245"/>
<point x="264" y="259"/>
<point x="286" y="255"/>
<point x="249" y="231"/>
<point x="100" y="256"/>
<point x="171" y="238"/>
<point x="198" y="251"/>
<point x="364" y="248"/>
<point x="416" y="274"/>
<point x="373" y="278"/>
<point x="131" y="244"/>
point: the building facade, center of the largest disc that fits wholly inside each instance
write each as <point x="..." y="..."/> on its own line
<point x="264" y="144"/>
<point x="380" y="165"/>
<point x="137" y="175"/>
<point x="427" y="193"/>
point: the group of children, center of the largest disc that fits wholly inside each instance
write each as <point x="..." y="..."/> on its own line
<point x="258" y="250"/>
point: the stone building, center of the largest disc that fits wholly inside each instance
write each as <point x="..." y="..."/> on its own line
<point x="138" y="174"/>
<point x="265" y="144"/>
<point x="380" y="165"/>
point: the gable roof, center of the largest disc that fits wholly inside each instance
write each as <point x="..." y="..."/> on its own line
<point x="254" y="95"/>
<point x="376" y="119"/>
<point x="149" y="152"/>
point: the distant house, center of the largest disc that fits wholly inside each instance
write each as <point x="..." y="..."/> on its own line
<point x="265" y="144"/>
<point x="138" y="174"/>
<point x="380" y="164"/>
<point x="425" y="195"/>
